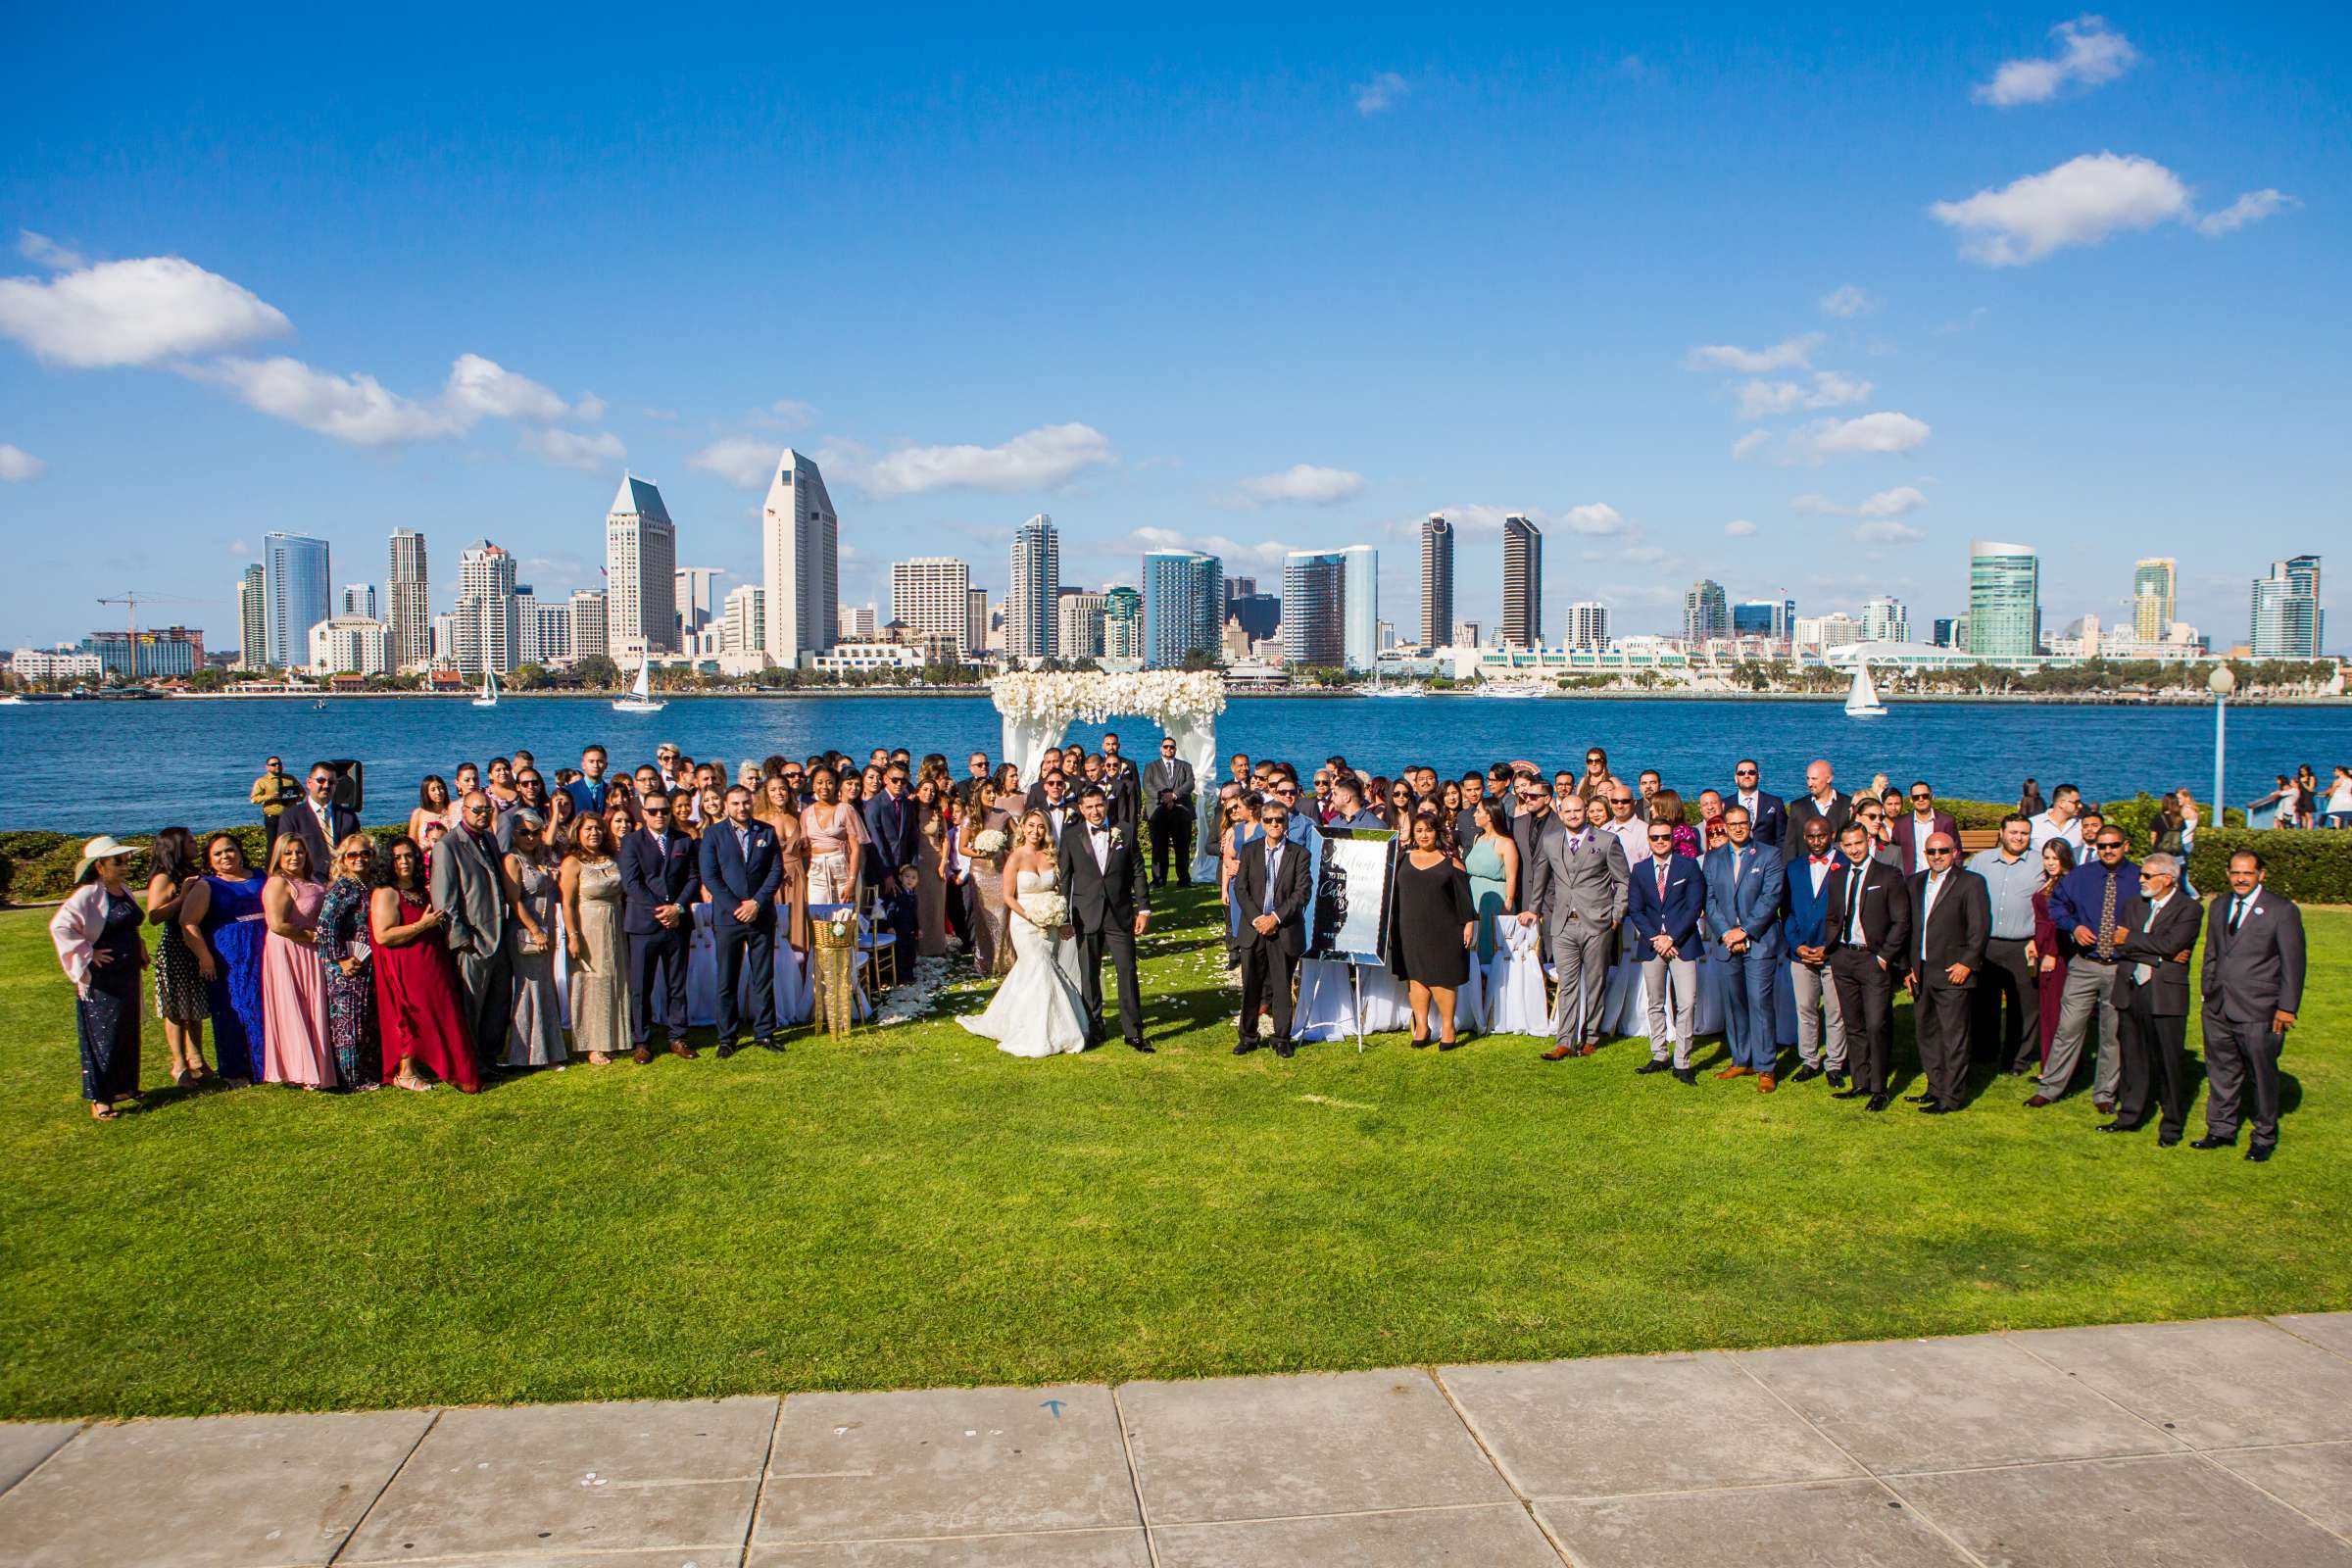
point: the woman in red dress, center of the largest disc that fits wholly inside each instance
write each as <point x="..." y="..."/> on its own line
<point x="2050" y="946"/>
<point x="416" y="1001"/>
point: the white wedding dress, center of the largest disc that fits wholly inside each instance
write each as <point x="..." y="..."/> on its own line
<point x="1037" y="1010"/>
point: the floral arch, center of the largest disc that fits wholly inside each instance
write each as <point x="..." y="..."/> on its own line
<point x="1039" y="707"/>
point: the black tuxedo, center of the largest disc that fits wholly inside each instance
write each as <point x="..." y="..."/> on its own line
<point x="1125" y="796"/>
<point x="1954" y="931"/>
<point x="1270" y="959"/>
<point x="2154" y="1016"/>
<point x="1804" y="809"/>
<point x="303" y="823"/>
<point x="1105" y="898"/>
<point x="649" y="879"/>
<point x="1864" y="963"/>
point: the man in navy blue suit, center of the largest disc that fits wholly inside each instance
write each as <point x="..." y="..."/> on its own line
<point x="658" y="880"/>
<point x="1665" y="895"/>
<point x="892" y="831"/>
<point x="741" y="868"/>
<point x="1744" y="930"/>
<point x="1767" y="814"/>
<point x="1820" y="1029"/>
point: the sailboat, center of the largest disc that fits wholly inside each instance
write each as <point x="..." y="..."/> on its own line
<point x="641" y="696"/>
<point x="1862" y="701"/>
<point x="489" y="696"/>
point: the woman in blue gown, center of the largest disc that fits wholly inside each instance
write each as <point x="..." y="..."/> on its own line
<point x="223" y="927"/>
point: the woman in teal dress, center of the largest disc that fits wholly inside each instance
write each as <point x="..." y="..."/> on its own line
<point x="1493" y="867"/>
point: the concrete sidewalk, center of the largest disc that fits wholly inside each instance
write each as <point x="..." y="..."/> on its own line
<point x="2220" y="1442"/>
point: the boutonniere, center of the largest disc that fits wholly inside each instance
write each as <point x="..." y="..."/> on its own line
<point x="1118" y="838"/>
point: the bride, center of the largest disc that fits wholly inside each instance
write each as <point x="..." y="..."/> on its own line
<point x="1037" y="1010"/>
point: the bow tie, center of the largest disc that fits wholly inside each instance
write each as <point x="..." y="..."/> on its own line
<point x="1818" y="859"/>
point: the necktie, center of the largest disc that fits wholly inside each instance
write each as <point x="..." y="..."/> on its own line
<point x="1662" y="881"/>
<point x="1853" y="907"/>
<point x="2106" y="947"/>
<point x="1273" y="855"/>
<point x="2238" y="913"/>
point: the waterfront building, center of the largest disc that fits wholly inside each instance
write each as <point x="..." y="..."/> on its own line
<point x="158" y="653"/>
<point x="1122" y="623"/>
<point x="1314" y="597"/>
<point x="1467" y="634"/>
<point x="1029" y="604"/>
<point x="2287" y="622"/>
<point x="1946" y="632"/>
<point x="861" y="622"/>
<point x="933" y="595"/>
<point x="694" y="592"/>
<point x="2155" y="591"/>
<point x="358" y="600"/>
<point x="299" y="593"/>
<point x="591" y="625"/>
<point x="1706" y="613"/>
<point x="1587" y="624"/>
<point x="409" y="601"/>
<point x="252" y="617"/>
<point x="975" y="621"/>
<point x="1259" y="615"/>
<point x="1078" y="624"/>
<point x="1885" y="621"/>
<point x="799" y="560"/>
<point x="350" y="644"/>
<point x="1183" y="597"/>
<point x="62" y="662"/>
<point x="1774" y="620"/>
<point x="1437" y="580"/>
<point x="856" y="658"/>
<point x="641" y="566"/>
<point x="2004" y="599"/>
<point x="746" y="620"/>
<point x="1821" y="633"/>
<point x="547" y="633"/>
<point x="1360" y="648"/>
<point x="1522" y="584"/>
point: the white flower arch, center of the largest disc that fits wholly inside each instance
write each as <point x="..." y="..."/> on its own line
<point x="1039" y="707"/>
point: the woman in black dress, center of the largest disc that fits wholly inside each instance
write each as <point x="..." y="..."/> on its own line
<point x="1435" y="924"/>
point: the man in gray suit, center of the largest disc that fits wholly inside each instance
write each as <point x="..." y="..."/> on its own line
<point x="1168" y="807"/>
<point x="467" y="888"/>
<point x="2253" y="984"/>
<point x="1578" y="886"/>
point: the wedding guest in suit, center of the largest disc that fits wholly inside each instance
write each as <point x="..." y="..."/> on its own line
<point x="1821" y="801"/>
<point x="1168" y="786"/>
<point x="2086" y="908"/>
<point x="1868" y="926"/>
<point x="2012" y="875"/>
<point x="1052" y="796"/>
<point x="1432" y="924"/>
<point x="742" y="867"/>
<point x="1913" y="828"/>
<point x="2253" y="988"/>
<point x="1767" y="814"/>
<point x="2153" y="935"/>
<point x="1951" y="918"/>
<point x="1666" y="894"/>
<point x="1270" y="888"/>
<point x="1110" y="904"/>
<point x="1576" y="885"/>
<point x="660" y="883"/>
<point x="1820" y="1031"/>
<point x="1744" y="930"/>
<point x="467" y="888"/>
<point x="321" y="823"/>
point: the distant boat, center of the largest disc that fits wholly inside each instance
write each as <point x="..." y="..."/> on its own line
<point x="489" y="696"/>
<point x="1517" y="688"/>
<point x="1381" y="688"/>
<point x="641" y="696"/>
<point x="12" y="699"/>
<point x="1863" y="700"/>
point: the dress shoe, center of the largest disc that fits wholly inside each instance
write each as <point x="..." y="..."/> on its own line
<point x="2037" y="1101"/>
<point x="772" y="1043"/>
<point x="727" y="1050"/>
<point x="2105" y="1108"/>
<point x="1764" y="1083"/>
<point x="1587" y="1048"/>
<point x="1876" y="1103"/>
<point x="1936" y="1108"/>
<point x="2114" y="1127"/>
<point x="1804" y="1075"/>
<point x="1245" y="1048"/>
<point x="1285" y="1050"/>
<point x="1687" y="1075"/>
<point x="1560" y="1052"/>
<point x="1735" y="1072"/>
<point x="2211" y="1142"/>
<point x="2259" y="1152"/>
<point x="1143" y="1046"/>
<point x="679" y="1047"/>
<point x="1836" y="1079"/>
<point x="1448" y="1045"/>
<point x="2167" y="1141"/>
<point x="641" y="1056"/>
<point x="1851" y="1091"/>
<point x="1655" y="1065"/>
<point x="1917" y="1100"/>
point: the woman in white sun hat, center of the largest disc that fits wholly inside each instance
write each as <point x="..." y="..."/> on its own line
<point x="98" y="943"/>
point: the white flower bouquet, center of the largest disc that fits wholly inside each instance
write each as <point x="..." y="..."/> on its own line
<point x="1047" y="910"/>
<point x="990" y="843"/>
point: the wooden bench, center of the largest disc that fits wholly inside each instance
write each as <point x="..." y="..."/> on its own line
<point x="1973" y="839"/>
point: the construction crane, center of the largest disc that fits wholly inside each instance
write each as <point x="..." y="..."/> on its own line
<point x="132" y="597"/>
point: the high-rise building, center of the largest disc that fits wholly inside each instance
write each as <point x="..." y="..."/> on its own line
<point x="641" y="573"/>
<point x="975" y="620"/>
<point x="526" y="625"/>
<point x="933" y="595"/>
<point x="591" y="626"/>
<point x="2155" y="591"/>
<point x="746" y="620"/>
<point x="1824" y="633"/>
<point x="1314" y="619"/>
<point x="1029" y="605"/>
<point x="488" y="618"/>
<point x="547" y="634"/>
<point x="1259" y="615"/>
<point x="350" y="644"/>
<point x="1947" y="631"/>
<point x="1587" y="624"/>
<point x="1078" y="623"/>
<point x="1183" y="596"/>
<point x="1705" y="611"/>
<point x="299" y="593"/>
<point x="1363" y="641"/>
<point x="252" y="617"/>
<point x="408" y="599"/>
<point x="1885" y="621"/>
<point x="1122" y="623"/>
<point x="1770" y="618"/>
<point x="2287" y="622"/>
<point x="1469" y="634"/>
<point x="2004" y="599"/>
<point x="858" y="622"/>
<point x="358" y="600"/>
<point x="1522" y="585"/>
<point x="696" y="590"/>
<point x="800" y="562"/>
<point x="1436" y="580"/>
<point x="1240" y="588"/>
<point x="158" y="653"/>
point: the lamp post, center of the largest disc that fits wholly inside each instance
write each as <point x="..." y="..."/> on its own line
<point x="2221" y="683"/>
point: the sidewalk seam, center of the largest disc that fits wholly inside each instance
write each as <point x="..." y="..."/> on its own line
<point x="1526" y="1504"/>
<point x="353" y="1534"/>
<point x="71" y="1437"/>
<point x="767" y="1459"/>
<point x="1135" y="1480"/>
<point x="2304" y="1339"/>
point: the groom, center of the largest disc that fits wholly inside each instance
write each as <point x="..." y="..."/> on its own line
<point x="1110" y="904"/>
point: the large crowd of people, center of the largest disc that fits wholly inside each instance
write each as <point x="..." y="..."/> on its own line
<point x="521" y="919"/>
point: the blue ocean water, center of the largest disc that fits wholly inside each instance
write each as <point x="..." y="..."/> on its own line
<point x="131" y="767"/>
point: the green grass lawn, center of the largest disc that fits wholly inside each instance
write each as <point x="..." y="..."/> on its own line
<point x="911" y="1207"/>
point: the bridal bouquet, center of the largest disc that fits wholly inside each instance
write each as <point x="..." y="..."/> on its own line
<point x="989" y="843"/>
<point x="1048" y="911"/>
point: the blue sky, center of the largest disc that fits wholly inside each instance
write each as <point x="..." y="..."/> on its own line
<point x="1798" y="305"/>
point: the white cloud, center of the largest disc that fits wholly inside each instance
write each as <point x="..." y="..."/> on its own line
<point x="1740" y="528"/>
<point x="1871" y="433"/>
<point x="239" y="548"/>
<point x="1813" y="505"/>
<point x="483" y="388"/>
<point x="785" y="413"/>
<point x="1831" y="390"/>
<point x="42" y="251"/>
<point x="1847" y="299"/>
<point x="1044" y="459"/>
<point x="1593" y="517"/>
<point x="1301" y="484"/>
<point x="1790" y="354"/>
<point x="1899" y="501"/>
<point x="1380" y="93"/>
<point x="590" y="408"/>
<point x="2090" y="53"/>
<point x="1259" y="552"/>
<point x="575" y="449"/>
<point x="2081" y="202"/>
<point x="1748" y="445"/>
<point x="2251" y="208"/>
<point x="746" y="462"/>
<point x="349" y="408"/>
<point x="133" y="313"/>
<point x="17" y="465"/>
<point x="1762" y="399"/>
<point x="1886" y="532"/>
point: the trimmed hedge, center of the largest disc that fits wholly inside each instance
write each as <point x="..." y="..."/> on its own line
<point x="37" y="867"/>
<point x="2308" y="867"/>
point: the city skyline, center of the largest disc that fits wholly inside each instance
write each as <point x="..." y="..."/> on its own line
<point x="1999" y="318"/>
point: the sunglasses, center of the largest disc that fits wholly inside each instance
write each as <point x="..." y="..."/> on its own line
<point x="1939" y="851"/>
<point x="2110" y="844"/>
<point x="1661" y="838"/>
<point x="1923" y="795"/>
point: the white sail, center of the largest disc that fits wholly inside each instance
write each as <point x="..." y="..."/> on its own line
<point x="1862" y="701"/>
<point x="641" y="694"/>
<point x="489" y="696"/>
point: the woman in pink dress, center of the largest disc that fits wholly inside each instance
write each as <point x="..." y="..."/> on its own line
<point x="295" y="1048"/>
<point x="836" y="836"/>
<point x="416" y="979"/>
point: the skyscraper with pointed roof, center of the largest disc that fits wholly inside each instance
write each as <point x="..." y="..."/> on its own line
<point x="641" y="565"/>
<point x="800" y="562"/>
